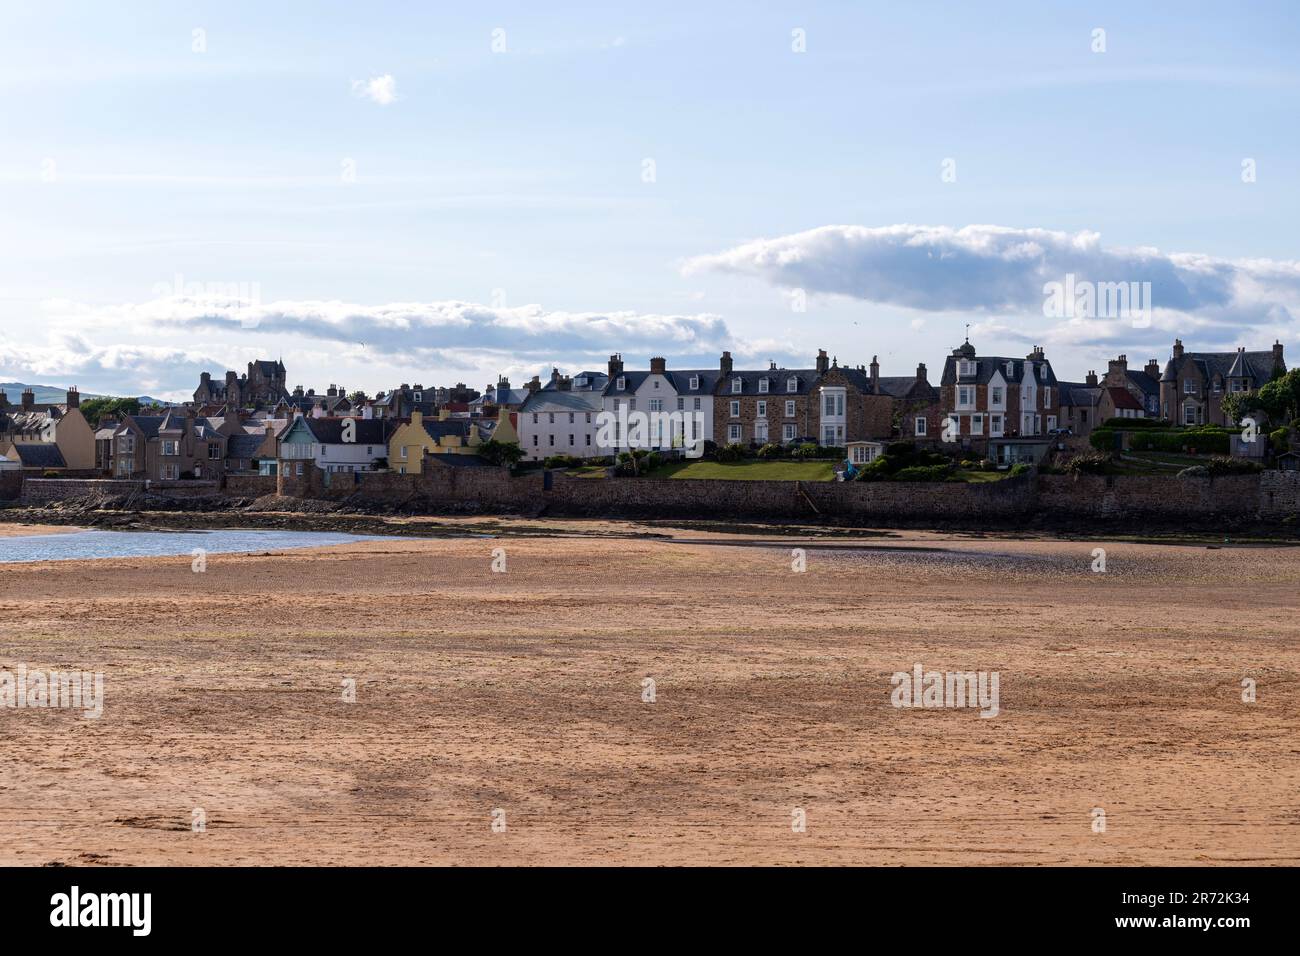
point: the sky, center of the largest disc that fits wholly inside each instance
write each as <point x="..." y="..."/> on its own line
<point x="397" y="192"/>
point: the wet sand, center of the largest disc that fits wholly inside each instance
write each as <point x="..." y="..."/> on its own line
<point x="522" y="691"/>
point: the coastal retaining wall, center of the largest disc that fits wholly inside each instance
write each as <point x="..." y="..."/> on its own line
<point x="1269" y="495"/>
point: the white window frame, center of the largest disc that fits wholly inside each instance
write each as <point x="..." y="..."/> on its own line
<point x="736" y="386"/>
<point x="919" y="426"/>
<point x="762" y="386"/>
<point x="789" y="410"/>
<point x="735" y="410"/>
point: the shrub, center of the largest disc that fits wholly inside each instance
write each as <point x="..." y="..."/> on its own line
<point x="771" y="450"/>
<point x="923" y="473"/>
<point x="877" y="470"/>
<point x="562" y="461"/>
<point x="1196" y="471"/>
<point x="1279" y="440"/>
<point x="1232" y="466"/>
<point x="500" y="453"/>
<point x="1093" y="463"/>
<point x="49" y="473"/>
<point x="830" y="451"/>
<point x="1102" y="439"/>
<point x="804" y="451"/>
<point x="1207" y="440"/>
<point x="1020" y="468"/>
<point x="1130" y="424"/>
<point x="732" y="452"/>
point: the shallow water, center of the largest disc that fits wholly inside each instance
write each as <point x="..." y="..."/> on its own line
<point x="85" y="545"/>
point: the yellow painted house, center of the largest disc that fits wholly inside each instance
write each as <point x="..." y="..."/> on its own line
<point x="441" y="436"/>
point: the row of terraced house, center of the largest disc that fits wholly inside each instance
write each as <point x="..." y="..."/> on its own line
<point x="1007" y="408"/>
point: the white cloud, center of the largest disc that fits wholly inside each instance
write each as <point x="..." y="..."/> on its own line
<point x="1001" y="271"/>
<point x="380" y="89"/>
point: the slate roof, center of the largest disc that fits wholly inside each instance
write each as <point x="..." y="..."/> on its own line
<point x="148" y="424"/>
<point x="557" y="400"/>
<point x="244" y="446"/>
<point x="1148" y="384"/>
<point x="1223" y="365"/>
<point x="452" y="426"/>
<point x="906" y="386"/>
<point x="987" y="365"/>
<point x="1079" y="394"/>
<point x="777" y="379"/>
<point x="39" y="455"/>
<point x="369" y="431"/>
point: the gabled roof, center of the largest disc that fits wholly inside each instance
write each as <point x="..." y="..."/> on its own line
<point x="1223" y="365"/>
<point x="39" y="455"/>
<point x="244" y="446"/>
<point x="368" y="431"/>
<point x="1123" y="398"/>
<point x="1080" y="394"/>
<point x="1148" y="384"/>
<point x="436" y="429"/>
<point x="558" y="400"/>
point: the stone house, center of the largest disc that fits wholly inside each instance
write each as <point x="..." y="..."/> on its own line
<point x="1193" y="383"/>
<point x="61" y="426"/>
<point x="1001" y="407"/>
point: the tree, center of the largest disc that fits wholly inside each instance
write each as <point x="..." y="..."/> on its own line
<point x="96" y="409"/>
<point x="500" y="453"/>
<point x="1280" y="398"/>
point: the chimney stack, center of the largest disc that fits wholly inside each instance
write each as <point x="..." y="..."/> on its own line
<point x="74" y="398"/>
<point x="658" y="366"/>
<point x="29" y="399"/>
<point x="724" y="363"/>
<point x="1091" y="379"/>
<point x="1116" y="368"/>
<point x="534" y="384"/>
<point x="615" y="365"/>
<point x="875" y="375"/>
<point x="822" y="362"/>
<point x="4" y="399"/>
<point x="1153" y="369"/>
<point x="1036" y="355"/>
<point x="921" y="374"/>
<point x="1277" y="354"/>
<point x="1178" y="348"/>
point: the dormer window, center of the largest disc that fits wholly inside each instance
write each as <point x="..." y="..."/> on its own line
<point x="695" y="382"/>
<point x="621" y="384"/>
<point x="735" y="386"/>
<point x="792" y="384"/>
<point x="965" y="367"/>
<point x="762" y="386"/>
<point x="417" y="397"/>
<point x="1011" y="370"/>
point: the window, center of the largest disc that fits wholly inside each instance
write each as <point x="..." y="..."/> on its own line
<point x="920" y="425"/>
<point x="534" y="445"/>
<point x="996" y="396"/>
<point x="792" y="384"/>
<point x="588" y="439"/>
<point x="695" y="382"/>
<point x="977" y="424"/>
<point x="787" y="433"/>
<point x="1051" y="423"/>
<point x="1218" y="385"/>
<point x="965" y="367"/>
<point x="214" y="452"/>
<point x="735" y="386"/>
<point x="1047" y="396"/>
<point x="965" y="396"/>
<point x="762" y="409"/>
<point x="534" y="418"/>
<point x="1189" y="414"/>
<point x="733" y="433"/>
<point x="789" y="409"/>
<point x="418" y="397"/>
<point x="760" y="432"/>
<point x="1238" y="385"/>
<point x="570" y="439"/>
<point x="1189" y="386"/>
<point x="861" y="454"/>
<point x="1011" y="370"/>
<point x="697" y="404"/>
<point x="570" y="418"/>
<point x="762" y="386"/>
<point x="298" y="469"/>
<point x="588" y="418"/>
<point x="832" y="435"/>
<point x="681" y="403"/>
<point x="735" y="409"/>
<point x="550" y="417"/>
<point x="550" y="440"/>
<point x="170" y="448"/>
<point x="621" y="383"/>
<point x="656" y="404"/>
<point x="995" y="425"/>
<point x="402" y="450"/>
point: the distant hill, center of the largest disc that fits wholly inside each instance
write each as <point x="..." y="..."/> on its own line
<point x="53" y="395"/>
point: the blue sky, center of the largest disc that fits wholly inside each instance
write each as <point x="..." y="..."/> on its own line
<point x="499" y="218"/>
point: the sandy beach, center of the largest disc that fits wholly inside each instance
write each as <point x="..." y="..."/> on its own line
<point x="522" y="692"/>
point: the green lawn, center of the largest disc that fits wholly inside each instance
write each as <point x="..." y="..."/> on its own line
<point x="749" y="470"/>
